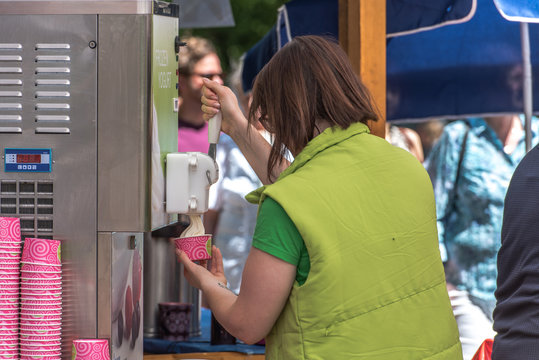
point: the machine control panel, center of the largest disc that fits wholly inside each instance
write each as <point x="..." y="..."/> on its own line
<point x="27" y="160"/>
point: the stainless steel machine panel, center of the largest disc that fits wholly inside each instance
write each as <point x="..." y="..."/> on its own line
<point x="124" y="95"/>
<point x="120" y="310"/>
<point x="72" y="7"/>
<point x="48" y="100"/>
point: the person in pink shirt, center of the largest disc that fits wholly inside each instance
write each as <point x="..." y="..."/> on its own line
<point x="197" y="60"/>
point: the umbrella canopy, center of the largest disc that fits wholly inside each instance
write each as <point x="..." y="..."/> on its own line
<point x="473" y="68"/>
<point x="321" y="17"/>
<point x="519" y="10"/>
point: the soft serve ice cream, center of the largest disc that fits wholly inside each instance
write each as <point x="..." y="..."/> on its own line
<point x="193" y="241"/>
<point x="196" y="227"/>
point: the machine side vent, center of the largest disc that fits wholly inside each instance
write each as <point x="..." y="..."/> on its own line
<point x="52" y="88"/>
<point x="11" y="91"/>
<point x="32" y="202"/>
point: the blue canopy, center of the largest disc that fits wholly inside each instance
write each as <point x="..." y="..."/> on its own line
<point x="321" y="17"/>
<point x="519" y="10"/>
<point x="472" y="68"/>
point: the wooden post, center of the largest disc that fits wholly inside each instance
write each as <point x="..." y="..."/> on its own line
<point x="362" y="34"/>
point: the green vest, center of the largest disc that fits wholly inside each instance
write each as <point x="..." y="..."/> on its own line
<point x="376" y="287"/>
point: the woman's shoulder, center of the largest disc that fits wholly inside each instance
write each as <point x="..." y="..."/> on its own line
<point x="453" y="133"/>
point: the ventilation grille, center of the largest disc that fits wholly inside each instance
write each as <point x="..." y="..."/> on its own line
<point x="32" y="202"/>
<point x="43" y="78"/>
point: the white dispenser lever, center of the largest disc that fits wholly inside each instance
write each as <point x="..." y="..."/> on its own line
<point x="214" y="130"/>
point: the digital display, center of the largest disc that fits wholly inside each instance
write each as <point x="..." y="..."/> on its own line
<point x="28" y="158"/>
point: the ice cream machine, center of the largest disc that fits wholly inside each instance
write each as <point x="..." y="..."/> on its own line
<point x="88" y="92"/>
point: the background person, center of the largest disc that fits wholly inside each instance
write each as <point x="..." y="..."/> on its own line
<point x="405" y="138"/>
<point x="196" y="61"/>
<point x="517" y="310"/>
<point x="470" y="168"/>
<point x="345" y="242"/>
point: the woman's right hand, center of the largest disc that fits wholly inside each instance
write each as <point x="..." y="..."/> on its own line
<point x="218" y="98"/>
<point x="197" y="274"/>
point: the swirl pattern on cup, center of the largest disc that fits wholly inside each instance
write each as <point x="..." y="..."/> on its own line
<point x="196" y="247"/>
<point x="97" y="349"/>
<point x="41" y="251"/>
<point x="10" y="229"/>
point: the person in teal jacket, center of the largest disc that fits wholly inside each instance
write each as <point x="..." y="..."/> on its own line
<point x="345" y="261"/>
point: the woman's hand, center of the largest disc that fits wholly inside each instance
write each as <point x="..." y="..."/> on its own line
<point x="218" y="98"/>
<point x="197" y="274"/>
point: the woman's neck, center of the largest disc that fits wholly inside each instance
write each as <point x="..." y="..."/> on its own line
<point x="508" y="129"/>
<point x="321" y="125"/>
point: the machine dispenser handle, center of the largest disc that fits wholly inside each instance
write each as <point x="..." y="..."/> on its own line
<point x="214" y="130"/>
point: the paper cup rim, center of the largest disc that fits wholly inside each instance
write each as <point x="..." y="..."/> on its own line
<point x="41" y="272"/>
<point x="60" y="279"/>
<point x="40" y="264"/>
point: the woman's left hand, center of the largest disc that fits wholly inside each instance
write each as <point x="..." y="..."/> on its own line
<point x="196" y="274"/>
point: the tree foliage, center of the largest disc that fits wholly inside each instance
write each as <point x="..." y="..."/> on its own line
<point x="253" y="18"/>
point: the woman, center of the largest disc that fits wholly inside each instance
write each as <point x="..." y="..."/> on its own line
<point x="470" y="168"/>
<point x="345" y="261"/>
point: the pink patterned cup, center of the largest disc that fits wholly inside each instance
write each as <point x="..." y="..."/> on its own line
<point x="9" y="295"/>
<point x="44" y="309"/>
<point x="90" y="349"/>
<point x="196" y="247"/>
<point x="41" y="282"/>
<point x="9" y="340"/>
<point x="40" y="302"/>
<point x="41" y="347"/>
<point x="41" y="251"/>
<point x="13" y="354"/>
<point x="38" y="343"/>
<point x="7" y="306"/>
<point x="10" y="263"/>
<point x="41" y="295"/>
<point x="41" y="337"/>
<point x="41" y="330"/>
<point x="7" y="312"/>
<point x="10" y="230"/>
<point x="40" y="354"/>
<point x="27" y="267"/>
<point x="10" y="254"/>
<point x="40" y="276"/>
<point x="11" y="247"/>
<point x="8" y="276"/>
<point x="8" y="330"/>
<point x="37" y="324"/>
<point x="39" y="317"/>
<point x="9" y="286"/>
<point x="8" y="281"/>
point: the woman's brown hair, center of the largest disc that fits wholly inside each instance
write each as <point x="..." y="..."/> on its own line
<point x="309" y="80"/>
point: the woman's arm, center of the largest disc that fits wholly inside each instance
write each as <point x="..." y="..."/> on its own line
<point x="266" y="285"/>
<point x="252" y="144"/>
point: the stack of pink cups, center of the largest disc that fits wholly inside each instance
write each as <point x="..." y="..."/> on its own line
<point x="10" y="254"/>
<point x="41" y="300"/>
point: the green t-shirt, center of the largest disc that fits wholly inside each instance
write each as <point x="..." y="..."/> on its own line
<point x="277" y="235"/>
